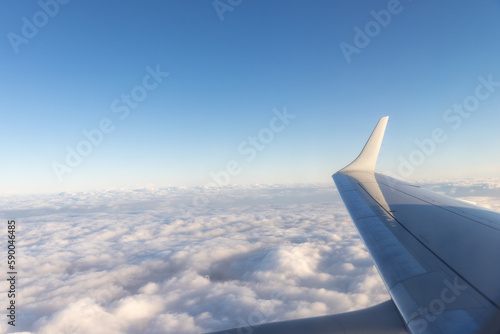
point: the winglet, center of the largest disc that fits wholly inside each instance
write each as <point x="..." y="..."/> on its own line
<point x="368" y="157"/>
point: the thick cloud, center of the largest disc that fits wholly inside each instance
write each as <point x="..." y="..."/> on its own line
<point x="147" y="260"/>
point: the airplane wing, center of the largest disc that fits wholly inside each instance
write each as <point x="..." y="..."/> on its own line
<point x="438" y="256"/>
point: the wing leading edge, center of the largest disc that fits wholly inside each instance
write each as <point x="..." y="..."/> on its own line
<point x="435" y="254"/>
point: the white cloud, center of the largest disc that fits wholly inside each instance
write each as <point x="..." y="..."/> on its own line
<point x="140" y="260"/>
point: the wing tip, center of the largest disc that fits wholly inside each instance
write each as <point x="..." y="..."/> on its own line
<point x="367" y="159"/>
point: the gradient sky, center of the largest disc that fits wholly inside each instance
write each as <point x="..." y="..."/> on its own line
<point x="228" y="71"/>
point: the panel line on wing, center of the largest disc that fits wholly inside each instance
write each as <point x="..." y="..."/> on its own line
<point x="443" y="208"/>
<point x="450" y="267"/>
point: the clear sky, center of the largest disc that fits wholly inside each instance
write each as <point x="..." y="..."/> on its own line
<point x="74" y="70"/>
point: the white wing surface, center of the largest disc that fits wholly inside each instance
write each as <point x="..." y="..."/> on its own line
<point x="438" y="256"/>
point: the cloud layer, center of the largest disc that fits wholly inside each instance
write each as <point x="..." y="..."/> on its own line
<point x="146" y="260"/>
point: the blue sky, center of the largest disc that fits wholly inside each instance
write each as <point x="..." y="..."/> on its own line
<point x="227" y="71"/>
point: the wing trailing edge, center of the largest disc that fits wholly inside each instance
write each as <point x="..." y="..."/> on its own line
<point x="383" y="318"/>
